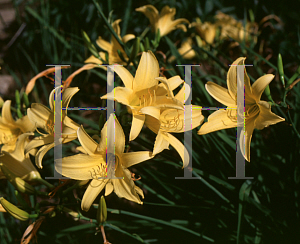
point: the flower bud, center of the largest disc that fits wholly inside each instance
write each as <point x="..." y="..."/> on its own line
<point x="90" y="46"/>
<point x="102" y="211"/>
<point x="13" y="210"/>
<point x="1" y="102"/>
<point x="17" y="182"/>
<point x="135" y="48"/>
<point x="280" y="69"/>
<point x="26" y="100"/>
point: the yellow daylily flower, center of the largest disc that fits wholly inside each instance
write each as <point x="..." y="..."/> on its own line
<point x="164" y="21"/>
<point x="172" y="121"/>
<point x="18" y="162"/>
<point x="258" y="113"/>
<point x="112" y="47"/>
<point x="142" y="94"/>
<point x="92" y="165"/>
<point x="206" y="30"/>
<point x="186" y="50"/>
<point x="230" y="27"/>
<point x="43" y="118"/>
<point x="11" y="129"/>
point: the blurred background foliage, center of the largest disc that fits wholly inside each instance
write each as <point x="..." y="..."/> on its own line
<point x="213" y="209"/>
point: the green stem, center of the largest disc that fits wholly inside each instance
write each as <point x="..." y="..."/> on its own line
<point x="294" y="127"/>
<point x="110" y="27"/>
<point x="45" y="183"/>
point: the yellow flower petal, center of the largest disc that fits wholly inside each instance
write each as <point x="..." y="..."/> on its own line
<point x="25" y="124"/>
<point x="219" y="120"/>
<point x="89" y="145"/>
<point x="137" y="125"/>
<point x="132" y="158"/>
<point x="116" y="134"/>
<point x="70" y="123"/>
<point x="128" y="37"/>
<point x="246" y="141"/>
<point x="93" y="190"/>
<point x="183" y="93"/>
<point x="232" y="77"/>
<point x="38" y="141"/>
<point x="92" y="59"/>
<point x="80" y="166"/>
<point x="266" y="117"/>
<point x="160" y="144"/>
<point x="125" y="187"/>
<point x="152" y="111"/>
<point x="39" y="115"/>
<point x="152" y="123"/>
<point x="125" y="76"/>
<point x="179" y="147"/>
<point x="106" y="46"/>
<point x="146" y="73"/>
<point x="108" y="188"/>
<point x="221" y="94"/>
<point x="119" y="94"/>
<point x="41" y="153"/>
<point x="67" y="95"/>
<point x="6" y="113"/>
<point x="151" y="13"/>
<point x="260" y="85"/>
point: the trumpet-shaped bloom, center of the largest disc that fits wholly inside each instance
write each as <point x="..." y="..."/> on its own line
<point x="163" y="21"/>
<point x="112" y="47"/>
<point x="230" y="27"/>
<point x="18" y="162"/>
<point x="92" y="165"/>
<point x="206" y="30"/>
<point x="173" y="121"/>
<point x="227" y="27"/>
<point x="43" y="118"/>
<point x="258" y="113"/>
<point x="186" y="50"/>
<point x="142" y="94"/>
<point x="11" y="129"/>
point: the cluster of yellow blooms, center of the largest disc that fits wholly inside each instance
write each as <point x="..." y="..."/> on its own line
<point x="150" y="99"/>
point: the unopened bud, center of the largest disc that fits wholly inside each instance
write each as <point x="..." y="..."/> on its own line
<point x="17" y="182"/>
<point x="280" y="69"/>
<point x="89" y="44"/>
<point x="14" y="210"/>
<point x="102" y="211"/>
<point x="135" y="48"/>
<point x="1" y="102"/>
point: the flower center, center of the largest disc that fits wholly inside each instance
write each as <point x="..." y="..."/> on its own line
<point x="50" y="125"/>
<point x="170" y="120"/>
<point x="252" y="111"/>
<point x="104" y="170"/>
<point x="10" y="137"/>
<point x="147" y="99"/>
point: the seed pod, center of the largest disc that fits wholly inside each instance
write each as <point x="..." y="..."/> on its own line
<point x="102" y="211"/>
<point x="14" y="210"/>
